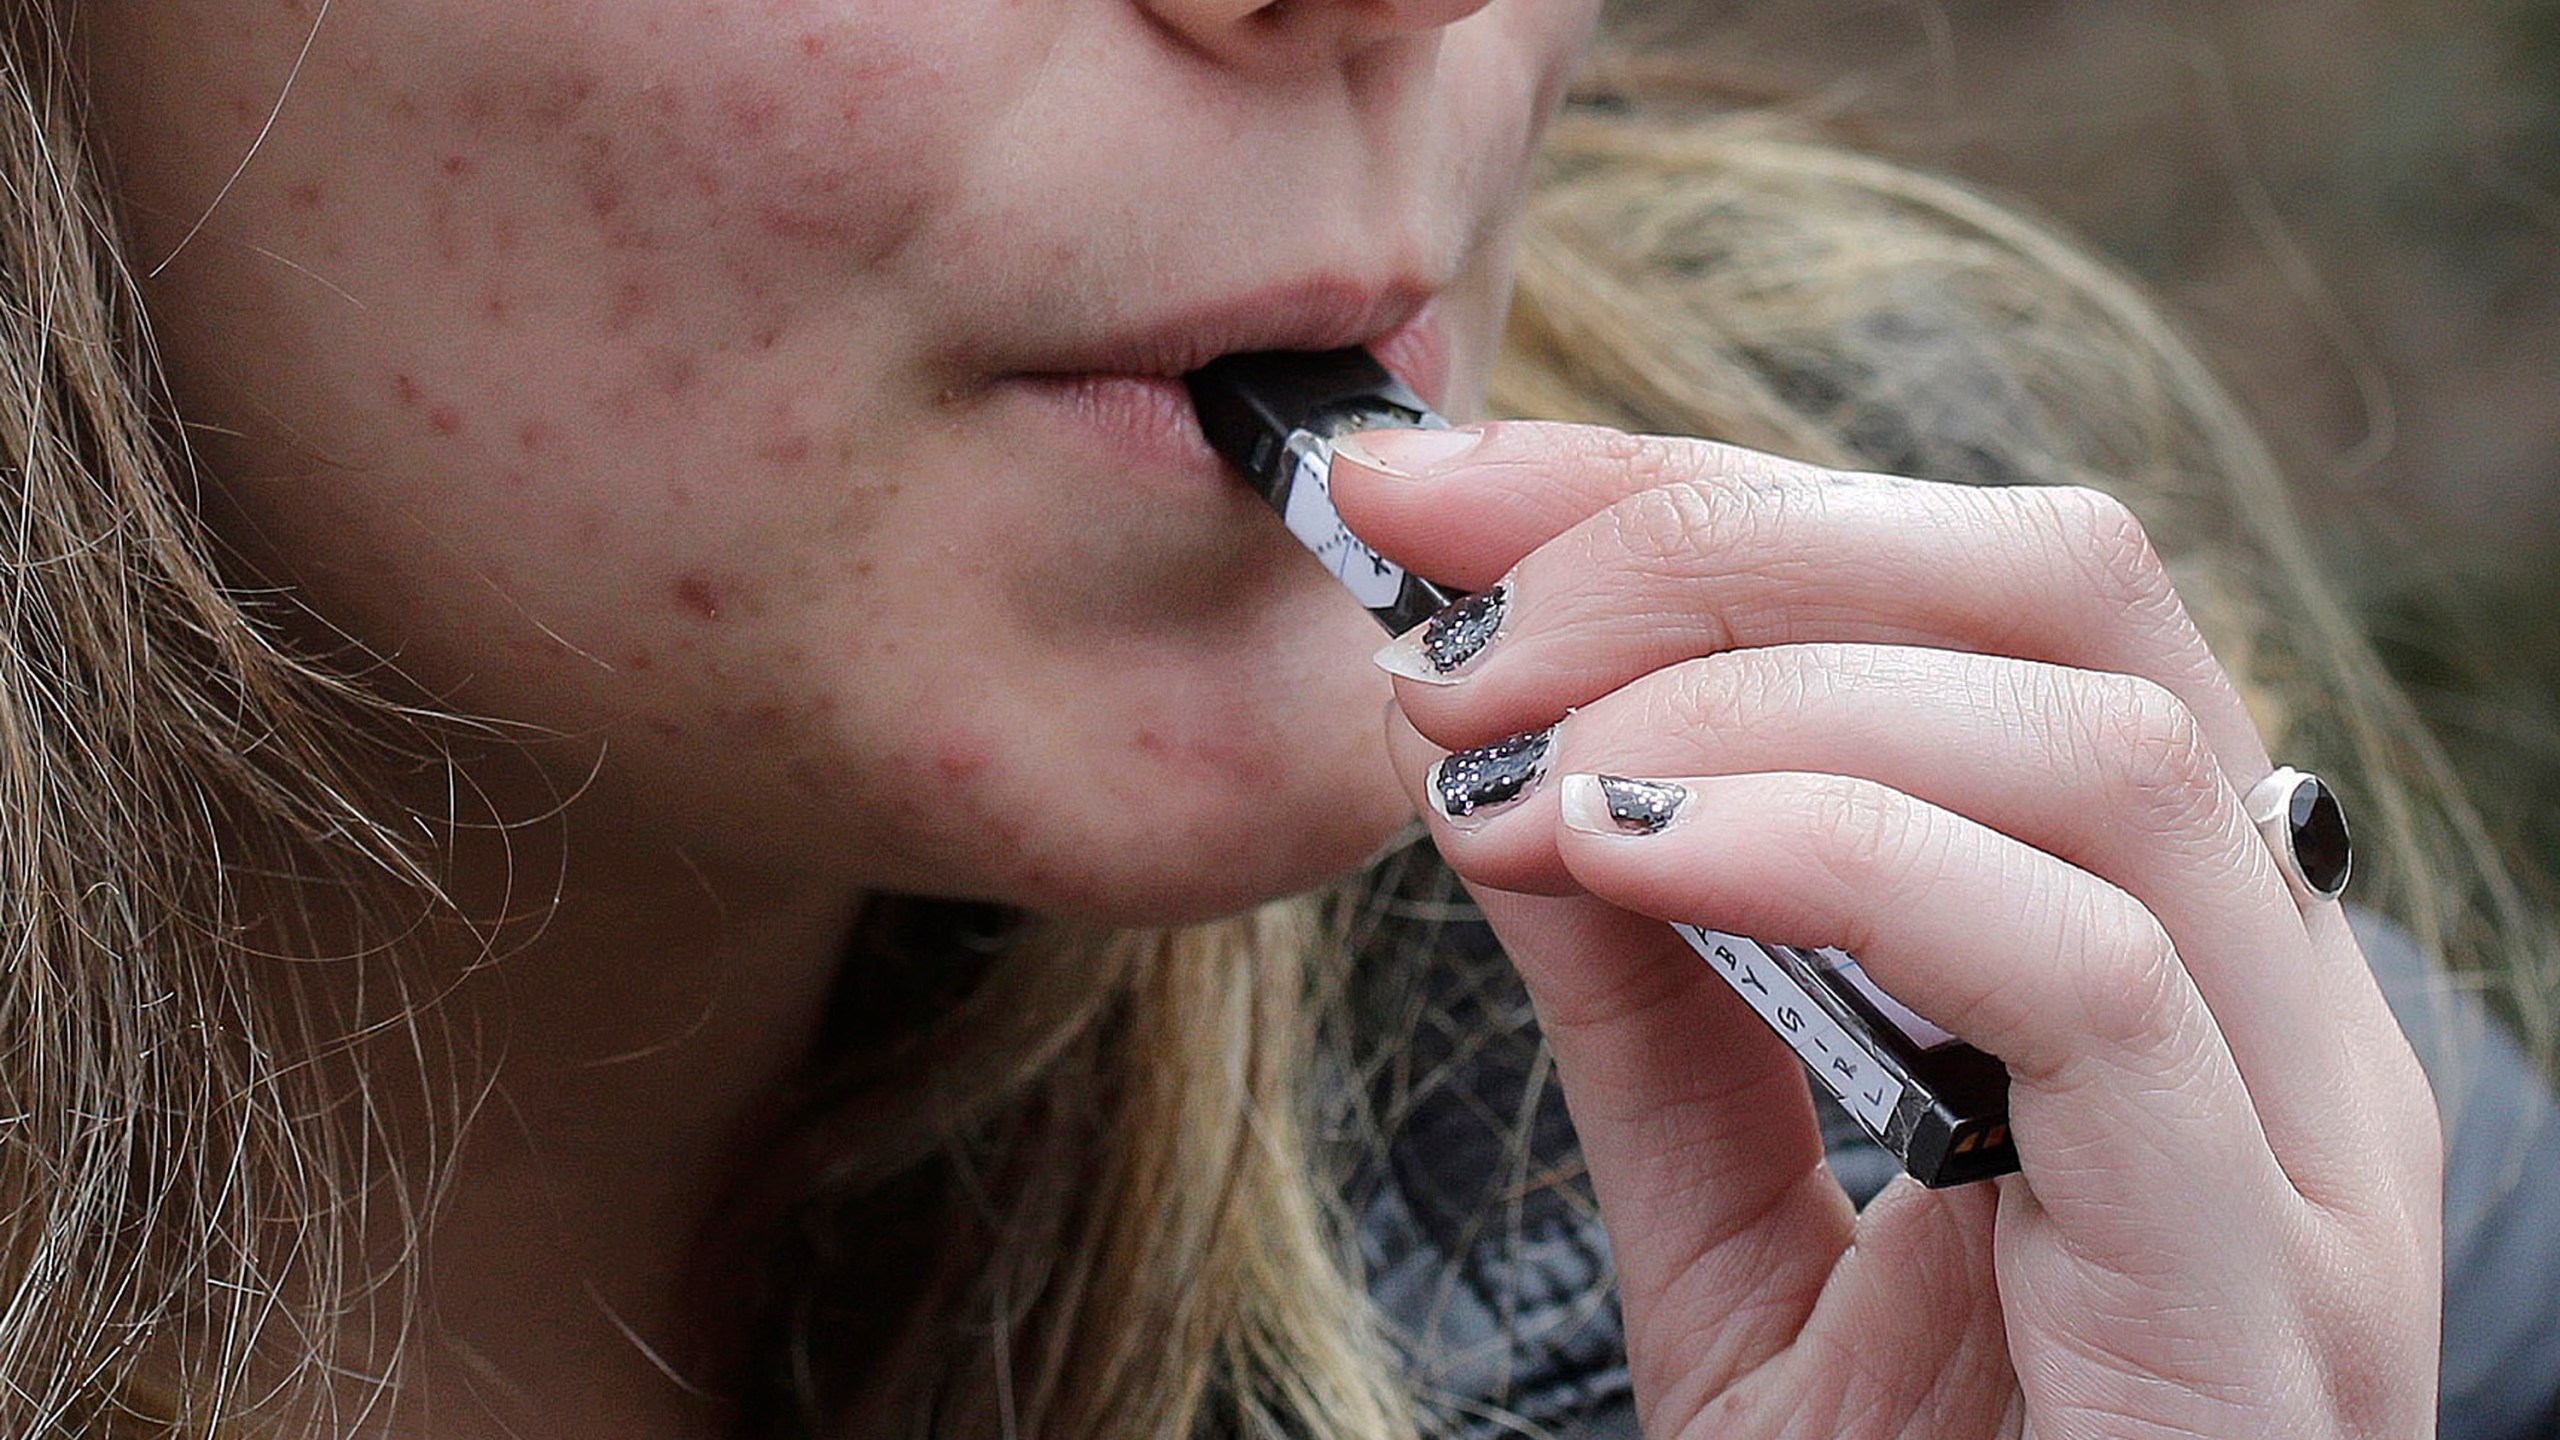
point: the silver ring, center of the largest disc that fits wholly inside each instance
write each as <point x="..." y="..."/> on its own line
<point x="2305" y="826"/>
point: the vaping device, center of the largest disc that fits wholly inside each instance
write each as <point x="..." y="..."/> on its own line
<point x="1275" y="416"/>
<point x="1938" y="1104"/>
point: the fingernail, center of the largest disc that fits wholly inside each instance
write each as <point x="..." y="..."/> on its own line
<point x="1616" y="805"/>
<point x="1470" y="784"/>
<point x="1438" y="648"/>
<point x="1406" y="454"/>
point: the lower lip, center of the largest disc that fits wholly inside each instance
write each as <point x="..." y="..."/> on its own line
<point x="1143" y="421"/>
<point x="1147" y="420"/>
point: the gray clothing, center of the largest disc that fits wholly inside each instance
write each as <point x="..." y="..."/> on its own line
<point x="2501" y="1374"/>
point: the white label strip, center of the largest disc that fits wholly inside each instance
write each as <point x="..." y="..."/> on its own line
<point x="1847" y="1068"/>
<point x="1372" y="579"/>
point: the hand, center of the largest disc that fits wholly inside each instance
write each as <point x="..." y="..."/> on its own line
<point x="1971" y="736"/>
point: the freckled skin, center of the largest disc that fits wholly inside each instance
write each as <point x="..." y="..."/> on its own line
<point x="680" y="316"/>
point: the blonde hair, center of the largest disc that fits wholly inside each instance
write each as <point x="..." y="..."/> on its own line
<point x="178" y="1171"/>
<point x="1111" y="1150"/>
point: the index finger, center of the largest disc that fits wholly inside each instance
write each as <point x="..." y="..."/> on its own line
<point x="1646" y="550"/>
<point x="1495" y="492"/>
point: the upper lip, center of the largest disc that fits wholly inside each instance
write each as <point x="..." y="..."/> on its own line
<point x="1319" y="314"/>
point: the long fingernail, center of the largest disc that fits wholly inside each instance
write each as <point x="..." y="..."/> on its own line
<point x="1470" y="784"/>
<point x="1406" y="454"/>
<point x="1616" y="805"/>
<point x="1436" y="650"/>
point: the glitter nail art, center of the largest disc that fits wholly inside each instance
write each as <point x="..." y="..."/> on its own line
<point x="1460" y="631"/>
<point x="1496" y="774"/>
<point x="1642" y="807"/>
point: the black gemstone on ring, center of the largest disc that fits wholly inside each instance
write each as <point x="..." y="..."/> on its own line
<point x="2316" y="827"/>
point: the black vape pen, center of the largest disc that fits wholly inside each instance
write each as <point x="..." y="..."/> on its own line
<point x="1275" y="416"/>
<point x="1940" y="1105"/>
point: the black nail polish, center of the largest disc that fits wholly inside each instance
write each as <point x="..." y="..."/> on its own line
<point x="1496" y="774"/>
<point x="1463" y="628"/>
<point x="1642" y="807"/>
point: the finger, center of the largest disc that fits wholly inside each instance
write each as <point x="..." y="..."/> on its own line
<point x="1711" y="1171"/>
<point x="1697" y="1127"/>
<point x="2117" y="1068"/>
<point x="1614" y="555"/>
<point x="2107" y="772"/>
<point x="1475" y="511"/>
<point x="1470" y="798"/>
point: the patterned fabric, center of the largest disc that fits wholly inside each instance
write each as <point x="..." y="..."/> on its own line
<point x="1483" y="1245"/>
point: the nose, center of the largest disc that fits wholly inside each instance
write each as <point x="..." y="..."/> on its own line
<point x="1296" y="31"/>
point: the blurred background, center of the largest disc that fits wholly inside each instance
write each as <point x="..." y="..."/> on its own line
<point x="2354" y="207"/>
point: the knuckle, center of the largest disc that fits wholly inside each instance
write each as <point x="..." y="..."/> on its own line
<point x="1667" y="528"/>
<point x="2109" y="544"/>
<point x="2412" y="1127"/>
<point x="2421" y="1126"/>
<point x="1646" y="461"/>
<point x="1643" y="461"/>
<point x="2153" y="756"/>
<point x="1870" y="838"/>
<point x="2127" y="985"/>
<point x="1687" y="499"/>
<point x="1737" y="694"/>
<point x="2372" y="1304"/>
<point x="1708" y="696"/>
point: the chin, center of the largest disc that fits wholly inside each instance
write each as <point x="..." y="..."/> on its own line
<point x="1217" y="855"/>
<point x="1236" y="765"/>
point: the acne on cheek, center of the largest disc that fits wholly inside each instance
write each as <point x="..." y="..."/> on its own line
<point x="673" y="373"/>
<point x="1214" y="755"/>
<point x="709" y="596"/>
<point x="438" y="415"/>
<point x="666" y="230"/>
<point x="719" y="197"/>
<point x="806" y="134"/>
<point x="962" y="756"/>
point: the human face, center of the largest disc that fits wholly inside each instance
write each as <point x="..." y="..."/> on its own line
<point x="775" y="394"/>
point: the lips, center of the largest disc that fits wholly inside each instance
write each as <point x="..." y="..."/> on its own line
<point x="1307" y="315"/>
<point x="1126" y="390"/>
<point x="1391" y="318"/>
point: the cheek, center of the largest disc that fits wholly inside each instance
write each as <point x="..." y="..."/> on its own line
<point x="671" y="202"/>
<point x="771" y="127"/>
<point x="575" y="295"/>
<point x="592" y="207"/>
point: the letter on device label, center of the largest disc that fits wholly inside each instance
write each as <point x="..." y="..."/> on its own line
<point x="1848" y="1069"/>
<point x="1372" y="579"/>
